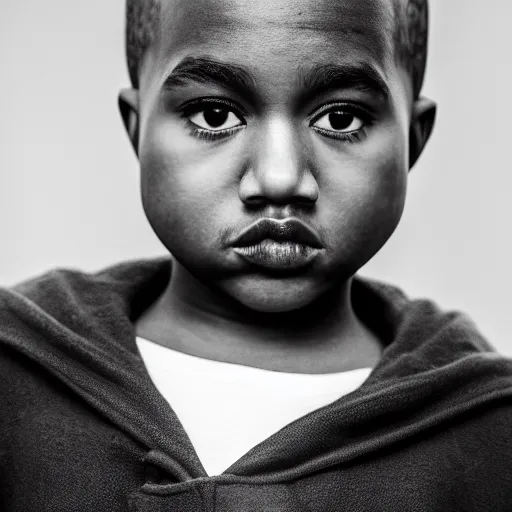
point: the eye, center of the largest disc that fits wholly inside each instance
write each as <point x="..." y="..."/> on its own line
<point x="215" y="118"/>
<point x="339" y="121"/>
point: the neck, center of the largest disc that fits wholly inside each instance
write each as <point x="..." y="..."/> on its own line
<point x="323" y="337"/>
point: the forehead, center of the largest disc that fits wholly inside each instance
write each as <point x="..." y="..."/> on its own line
<point x="263" y="34"/>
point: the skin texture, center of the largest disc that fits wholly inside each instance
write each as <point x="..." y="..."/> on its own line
<point x="198" y="193"/>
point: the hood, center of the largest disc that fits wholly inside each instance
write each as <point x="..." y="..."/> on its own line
<point x="79" y="327"/>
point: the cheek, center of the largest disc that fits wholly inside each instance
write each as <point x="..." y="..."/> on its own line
<point x="184" y="185"/>
<point x="386" y="179"/>
<point x="366" y="193"/>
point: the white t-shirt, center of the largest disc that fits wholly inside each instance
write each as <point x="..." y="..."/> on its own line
<point x="227" y="409"/>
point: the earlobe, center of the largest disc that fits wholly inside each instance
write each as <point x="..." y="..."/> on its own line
<point x="422" y="123"/>
<point x="129" y="108"/>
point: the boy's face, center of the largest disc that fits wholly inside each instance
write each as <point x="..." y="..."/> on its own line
<point x="295" y="109"/>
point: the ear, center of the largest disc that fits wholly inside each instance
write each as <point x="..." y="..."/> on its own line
<point x="422" y="122"/>
<point x="129" y="107"/>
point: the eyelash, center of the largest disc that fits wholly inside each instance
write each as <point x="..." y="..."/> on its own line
<point x="349" y="108"/>
<point x="201" y="104"/>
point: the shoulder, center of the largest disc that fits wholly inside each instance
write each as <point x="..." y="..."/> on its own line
<point x="69" y="306"/>
<point x="52" y="294"/>
<point x="481" y="443"/>
<point x="58" y="290"/>
<point x="400" y="316"/>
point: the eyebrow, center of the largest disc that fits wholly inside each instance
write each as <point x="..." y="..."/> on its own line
<point x="360" y="76"/>
<point x="315" y="80"/>
<point x="206" y="70"/>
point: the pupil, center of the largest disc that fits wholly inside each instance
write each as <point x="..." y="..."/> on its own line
<point x="216" y="116"/>
<point x="340" y="120"/>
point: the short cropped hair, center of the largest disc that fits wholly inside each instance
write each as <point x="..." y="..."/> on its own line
<point x="411" y="36"/>
<point x="142" y="23"/>
<point x="411" y="39"/>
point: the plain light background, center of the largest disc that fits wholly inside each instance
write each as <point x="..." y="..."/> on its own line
<point x="69" y="193"/>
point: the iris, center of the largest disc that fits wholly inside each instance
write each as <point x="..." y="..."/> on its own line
<point x="216" y="117"/>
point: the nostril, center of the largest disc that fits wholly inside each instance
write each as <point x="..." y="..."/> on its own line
<point x="306" y="202"/>
<point x="255" y="201"/>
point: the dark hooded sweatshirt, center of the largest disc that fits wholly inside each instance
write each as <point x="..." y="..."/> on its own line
<point x="83" y="428"/>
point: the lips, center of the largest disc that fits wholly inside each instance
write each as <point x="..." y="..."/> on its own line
<point x="289" y="230"/>
<point x="278" y="245"/>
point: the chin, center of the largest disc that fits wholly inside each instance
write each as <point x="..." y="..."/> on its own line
<point x="274" y="295"/>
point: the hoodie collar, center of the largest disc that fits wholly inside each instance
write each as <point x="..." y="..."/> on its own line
<point x="435" y="367"/>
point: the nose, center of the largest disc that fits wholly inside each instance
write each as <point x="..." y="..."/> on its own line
<point x="278" y="171"/>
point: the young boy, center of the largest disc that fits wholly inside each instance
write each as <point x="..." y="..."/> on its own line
<point x="253" y="371"/>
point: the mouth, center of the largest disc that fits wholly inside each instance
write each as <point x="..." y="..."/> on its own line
<point x="278" y="244"/>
